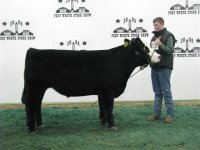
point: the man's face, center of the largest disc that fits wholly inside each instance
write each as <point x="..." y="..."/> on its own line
<point x="158" y="26"/>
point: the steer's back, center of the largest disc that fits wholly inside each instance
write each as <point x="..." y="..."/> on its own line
<point x="72" y="73"/>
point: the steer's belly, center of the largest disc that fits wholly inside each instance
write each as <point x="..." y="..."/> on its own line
<point x="76" y="85"/>
<point x="76" y="91"/>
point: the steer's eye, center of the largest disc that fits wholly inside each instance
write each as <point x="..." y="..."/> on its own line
<point x="146" y="49"/>
<point x="137" y="53"/>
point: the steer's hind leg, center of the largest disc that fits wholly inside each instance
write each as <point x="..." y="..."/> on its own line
<point x="38" y="115"/>
<point x="33" y="106"/>
<point x="108" y="103"/>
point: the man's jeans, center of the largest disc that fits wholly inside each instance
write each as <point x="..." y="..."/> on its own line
<point x="162" y="89"/>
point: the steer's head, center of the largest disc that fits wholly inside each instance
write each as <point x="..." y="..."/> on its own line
<point x="146" y="54"/>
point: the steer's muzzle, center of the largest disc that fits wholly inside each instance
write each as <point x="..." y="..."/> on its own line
<point x="159" y="57"/>
<point x="155" y="58"/>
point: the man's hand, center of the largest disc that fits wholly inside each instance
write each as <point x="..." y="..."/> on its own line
<point x="158" y="42"/>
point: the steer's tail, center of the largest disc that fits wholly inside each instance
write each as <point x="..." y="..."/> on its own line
<point x="23" y="96"/>
<point x="29" y="52"/>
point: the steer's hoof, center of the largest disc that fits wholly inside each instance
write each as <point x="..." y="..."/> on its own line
<point x="114" y="128"/>
<point x="103" y="122"/>
<point x="32" y="132"/>
<point x="40" y="126"/>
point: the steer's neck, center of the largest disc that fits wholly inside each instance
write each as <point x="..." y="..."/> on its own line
<point x="126" y="59"/>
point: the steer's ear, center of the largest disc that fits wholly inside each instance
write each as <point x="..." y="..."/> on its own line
<point x="126" y="42"/>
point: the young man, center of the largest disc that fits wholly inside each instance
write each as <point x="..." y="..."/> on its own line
<point x="163" y="43"/>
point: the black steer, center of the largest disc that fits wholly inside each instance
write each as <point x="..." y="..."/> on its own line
<point x="79" y="73"/>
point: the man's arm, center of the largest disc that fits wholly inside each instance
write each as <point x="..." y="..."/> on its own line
<point x="169" y="47"/>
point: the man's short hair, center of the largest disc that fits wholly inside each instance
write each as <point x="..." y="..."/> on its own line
<point x="159" y="19"/>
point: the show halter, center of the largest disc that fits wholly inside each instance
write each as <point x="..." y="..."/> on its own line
<point x="144" y="66"/>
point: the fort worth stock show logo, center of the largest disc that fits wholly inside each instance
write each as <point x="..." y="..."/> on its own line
<point x="12" y="30"/>
<point x="128" y="30"/>
<point x="186" y="9"/>
<point x="73" y="44"/>
<point x="187" y="47"/>
<point x="64" y="12"/>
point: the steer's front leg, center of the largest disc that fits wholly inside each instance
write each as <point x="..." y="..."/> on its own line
<point x="108" y="103"/>
<point x="30" y="113"/>
<point x="101" y="110"/>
